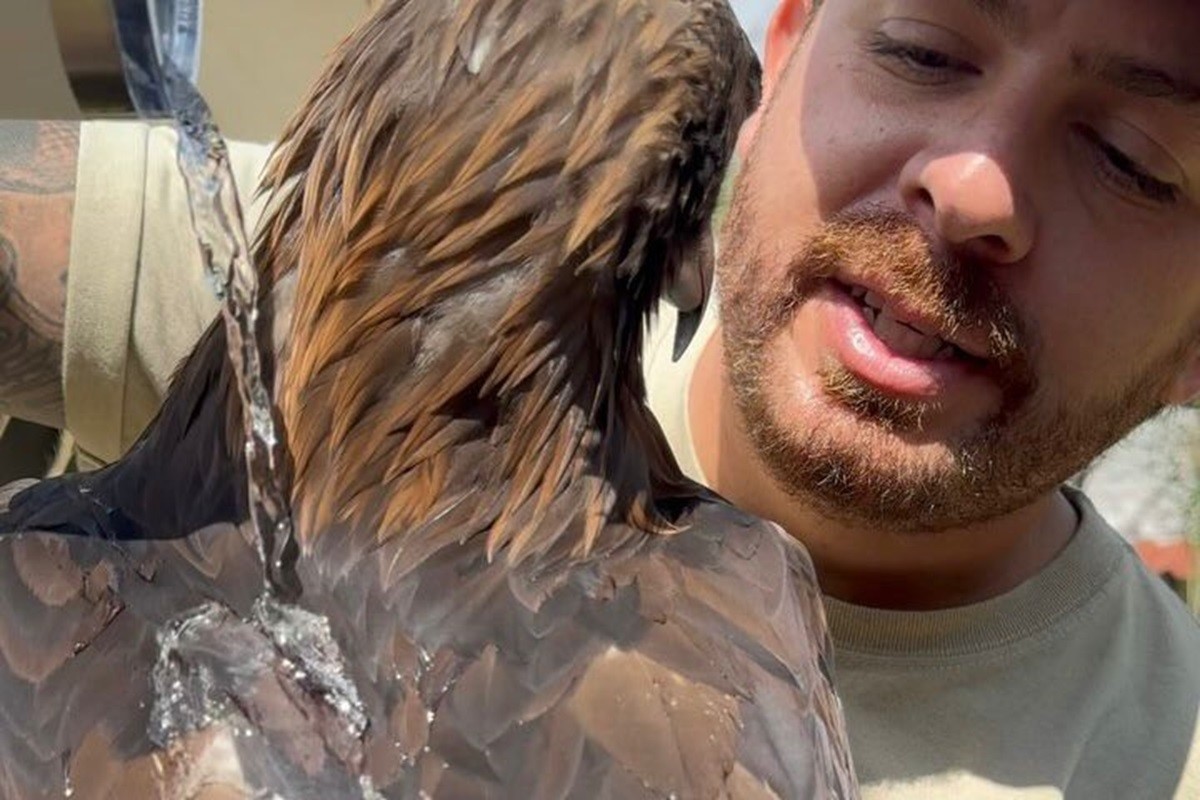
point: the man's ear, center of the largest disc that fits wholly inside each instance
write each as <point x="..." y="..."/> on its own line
<point x="784" y="32"/>
<point x="1185" y="389"/>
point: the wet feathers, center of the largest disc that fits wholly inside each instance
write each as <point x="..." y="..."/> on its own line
<point x="470" y="219"/>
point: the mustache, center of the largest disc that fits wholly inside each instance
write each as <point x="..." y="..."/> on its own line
<point x="888" y="248"/>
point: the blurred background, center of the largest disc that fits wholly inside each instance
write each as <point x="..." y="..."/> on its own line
<point x="257" y="58"/>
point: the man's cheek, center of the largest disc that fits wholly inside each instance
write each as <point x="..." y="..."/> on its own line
<point x="748" y="131"/>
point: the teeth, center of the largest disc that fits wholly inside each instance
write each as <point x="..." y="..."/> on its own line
<point x="904" y="340"/>
<point x="903" y="337"/>
<point x="873" y="300"/>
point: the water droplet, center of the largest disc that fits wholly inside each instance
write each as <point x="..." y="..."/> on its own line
<point x="369" y="792"/>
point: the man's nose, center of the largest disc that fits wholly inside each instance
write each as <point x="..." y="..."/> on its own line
<point x="968" y="201"/>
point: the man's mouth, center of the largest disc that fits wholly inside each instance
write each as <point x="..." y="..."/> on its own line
<point x="907" y="334"/>
<point x="904" y="338"/>
<point x="892" y="344"/>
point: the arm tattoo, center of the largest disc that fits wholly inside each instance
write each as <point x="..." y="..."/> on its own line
<point x="38" y="157"/>
<point x="37" y="193"/>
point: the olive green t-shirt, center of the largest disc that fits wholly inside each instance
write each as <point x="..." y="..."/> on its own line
<point x="1082" y="683"/>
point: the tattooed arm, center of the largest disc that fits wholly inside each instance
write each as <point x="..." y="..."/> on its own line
<point x="37" y="196"/>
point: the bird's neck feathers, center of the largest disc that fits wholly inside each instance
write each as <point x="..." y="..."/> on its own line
<point x="514" y="411"/>
<point x="509" y="410"/>
<point x="470" y="292"/>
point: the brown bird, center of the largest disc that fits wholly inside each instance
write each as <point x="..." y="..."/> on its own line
<point x="470" y="220"/>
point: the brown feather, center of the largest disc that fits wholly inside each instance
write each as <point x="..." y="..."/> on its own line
<point x="442" y="239"/>
<point x="474" y="212"/>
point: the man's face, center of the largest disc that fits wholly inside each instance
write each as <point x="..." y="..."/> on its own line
<point x="963" y="255"/>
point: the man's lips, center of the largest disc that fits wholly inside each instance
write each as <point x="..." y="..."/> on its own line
<point x="968" y="343"/>
<point x="848" y="330"/>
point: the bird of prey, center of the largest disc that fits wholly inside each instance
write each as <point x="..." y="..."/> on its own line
<point x="469" y="220"/>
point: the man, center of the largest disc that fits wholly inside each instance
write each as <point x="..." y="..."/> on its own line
<point x="960" y="260"/>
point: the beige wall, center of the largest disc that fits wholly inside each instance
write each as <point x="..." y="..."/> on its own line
<point x="34" y="84"/>
<point x="257" y="59"/>
<point x="259" y="56"/>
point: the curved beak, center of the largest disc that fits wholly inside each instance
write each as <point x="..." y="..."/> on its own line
<point x="689" y="289"/>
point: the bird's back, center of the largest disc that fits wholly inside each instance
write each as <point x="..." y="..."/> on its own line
<point x="693" y="665"/>
<point x="80" y="626"/>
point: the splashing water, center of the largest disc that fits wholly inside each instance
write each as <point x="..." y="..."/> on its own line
<point x="255" y="677"/>
<point x="69" y="786"/>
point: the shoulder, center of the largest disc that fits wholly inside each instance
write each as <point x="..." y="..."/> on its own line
<point x="133" y="164"/>
<point x="1167" y="627"/>
<point x="1148" y="603"/>
<point x="1137" y="608"/>
<point x="1139" y="659"/>
<point x="137" y="296"/>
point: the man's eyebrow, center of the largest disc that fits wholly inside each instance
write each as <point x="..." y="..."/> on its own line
<point x="1012" y="16"/>
<point x="1138" y="78"/>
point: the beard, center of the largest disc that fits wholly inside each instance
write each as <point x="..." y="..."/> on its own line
<point x="859" y="455"/>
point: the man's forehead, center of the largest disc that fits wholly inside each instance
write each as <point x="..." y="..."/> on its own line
<point x="1147" y="46"/>
<point x="1022" y="17"/>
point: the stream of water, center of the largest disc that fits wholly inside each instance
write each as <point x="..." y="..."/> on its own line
<point x="220" y="230"/>
<point x="190" y="693"/>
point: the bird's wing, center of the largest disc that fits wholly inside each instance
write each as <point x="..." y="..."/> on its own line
<point x="689" y="666"/>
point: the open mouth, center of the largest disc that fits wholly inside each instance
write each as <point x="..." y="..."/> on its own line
<point x="905" y="337"/>
<point x="894" y="346"/>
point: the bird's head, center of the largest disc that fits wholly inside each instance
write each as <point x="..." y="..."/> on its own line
<point x="480" y="202"/>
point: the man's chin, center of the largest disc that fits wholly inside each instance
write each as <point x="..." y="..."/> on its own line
<point x="860" y="469"/>
<point x="893" y="468"/>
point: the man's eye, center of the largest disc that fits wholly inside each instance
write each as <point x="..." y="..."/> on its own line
<point x="1126" y="173"/>
<point x="916" y="62"/>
